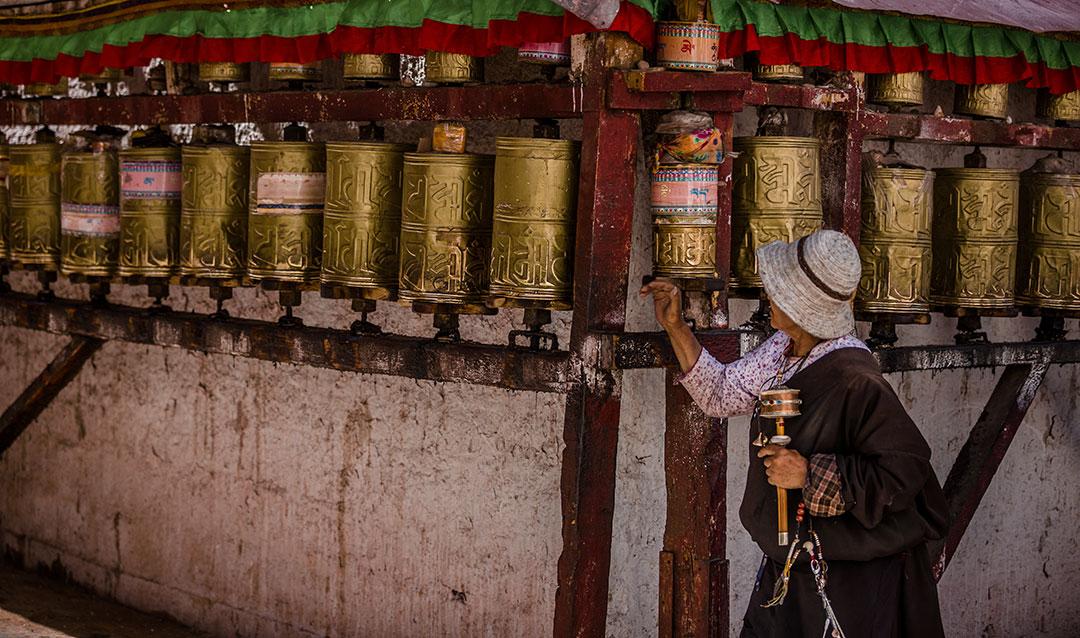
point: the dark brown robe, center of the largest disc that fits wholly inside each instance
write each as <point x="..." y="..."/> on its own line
<point x="879" y="579"/>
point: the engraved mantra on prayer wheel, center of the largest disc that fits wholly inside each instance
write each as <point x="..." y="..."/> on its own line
<point x="362" y="215"/>
<point x="5" y="250"/>
<point x="688" y="46"/>
<point x="288" y="185"/>
<point x="149" y="212"/>
<point x="285" y="71"/>
<point x="683" y="202"/>
<point x="213" y="211"/>
<point x="776" y="196"/>
<point x="1049" y="255"/>
<point x="974" y="238"/>
<point x="894" y="245"/>
<point x="896" y="89"/>
<point x="533" y="230"/>
<point x="368" y="66"/>
<point x="778" y="72"/>
<point x="224" y="72"/>
<point x="446" y="213"/>
<point x="452" y="68"/>
<point x="34" y="212"/>
<point x="1059" y="107"/>
<point x="90" y="213"/>
<point x="984" y="100"/>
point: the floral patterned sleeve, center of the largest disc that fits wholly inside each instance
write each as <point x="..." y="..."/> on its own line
<point x="731" y="389"/>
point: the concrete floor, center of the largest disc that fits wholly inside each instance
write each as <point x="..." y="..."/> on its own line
<point x="32" y="606"/>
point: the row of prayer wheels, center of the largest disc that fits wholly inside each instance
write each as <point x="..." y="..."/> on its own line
<point x="900" y="91"/>
<point x="461" y="233"/>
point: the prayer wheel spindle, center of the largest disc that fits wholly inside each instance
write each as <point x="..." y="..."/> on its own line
<point x="446" y="240"/>
<point x="894" y="247"/>
<point x="287" y="189"/>
<point x="361" y="225"/>
<point x="974" y="244"/>
<point x="213" y="213"/>
<point x="778" y="404"/>
<point x="90" y="209"/>
<point x="34" y="207"/>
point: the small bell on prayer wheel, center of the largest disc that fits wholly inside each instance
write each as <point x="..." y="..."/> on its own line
<point x="555" y="53"/>
<point x="367" y="66"/>
<point x="1048" y="268"/>
<point x="90" y="206"/>
<point x="982" y="100"/>
<point x="974" y="240"/>
<point x="446" y="217"/>
<point x="778" y="73"/>
<point x="896" y="90"/>
<point x="1060" y="108"/>
<point x="34" y="204"/>
<point x="45" y="89"/>
<point x="452" y="68"/>
<point x="224" y="73"/>
<point x="5" y="163"/>
<point x="688" y="46"/>
<point x="776" y="196"/>
<point x="683" y="202"/>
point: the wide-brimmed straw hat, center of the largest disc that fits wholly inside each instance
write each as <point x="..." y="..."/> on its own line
<point x="813" y="280"/>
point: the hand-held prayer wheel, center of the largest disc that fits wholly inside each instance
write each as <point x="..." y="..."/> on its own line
<point x="896" y="90"/>
<point x="778" y="73"/>
<point x="780" y="403"/>
<point x="1048" y="263"/>
<point x="688" y="46"/>
<point x="555" y="53"/>
<point x="362" y="216"/>
<point x="224" y="72"/>
<point x="213" y="211"/>
<point x="776" y="196"/>
<point x="683" y="201"/>
<point x="974" y="238"/>
<point x="34" y="212"/>
<point x="295" y="72"/>
<point x="5" y="162"/>
<point x="452" y="68"/>
<point x="1065" y="107"/>
<point x="895" y="240"/>
<point x="446" y="215"/>
<point x="90" y="211"/>
<point x="533" y="232"/>
<point x="982" y="100"/>
<point x="366" y="66"/>
<point x="287" y="187"/>
<point x="150" y="185"/>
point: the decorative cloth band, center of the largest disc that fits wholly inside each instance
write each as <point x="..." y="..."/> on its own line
<point x="822" y="286"/>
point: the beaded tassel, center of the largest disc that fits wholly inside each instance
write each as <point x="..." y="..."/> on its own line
<point x="780" y="590"/>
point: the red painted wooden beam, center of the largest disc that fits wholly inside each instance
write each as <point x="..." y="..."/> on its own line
<point x="957" y="130"/>
<point x="633" y="350"/>
<point x="803" y="96"/>
<point x="981" y="455"/>
<point x="841" y="140"/>
<point x="43" y="389"/>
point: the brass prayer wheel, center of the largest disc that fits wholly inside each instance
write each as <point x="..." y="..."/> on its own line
<point x="362" y="215"/>
<point x="776" y="195"/>
<point x="532" y="235"/>
<point x="1049" y="256"/>
<point x="446" y="216"/>
<point x="224" y="72"/>
<point x="683" y="200"/>
<point x="45" y="89"/>
<point x="895" y="240"/>
<point x="150" y="185"/>
<point x="778" y="73"/>
<point x="5" y="162"/>
<point x="365" y="66"/>
<point x="1064" y="107"/>
<point x="896" y="90"/>
<point x="779" y="403"/>
<point x="974" y="238"/>
<point x="102" y="77"/>
<point x="982" y="100"/>
<point x="452" y="68"/>
<point x="90" y="212"/>
<point x="292" y="71"/>
<point x="287" y="187"/>
<point x="34" y="211"/>
<point x="213" y="211"/>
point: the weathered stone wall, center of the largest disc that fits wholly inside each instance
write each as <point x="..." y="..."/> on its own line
<point x="255" y="499"/>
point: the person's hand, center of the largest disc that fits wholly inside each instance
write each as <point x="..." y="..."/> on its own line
<point x="667" y="302"/>
<point x="785" y="468"/>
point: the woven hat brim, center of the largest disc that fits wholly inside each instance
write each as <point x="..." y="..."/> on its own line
<point x="790" y="289"/>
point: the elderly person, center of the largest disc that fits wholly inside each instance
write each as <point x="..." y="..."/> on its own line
<point x="857" y="462"/>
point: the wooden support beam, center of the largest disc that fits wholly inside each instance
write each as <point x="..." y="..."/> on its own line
<point x="42" y="390"/>
<point x="695" y="469"/>
<point x="841" y="170"/>
<point x="979" y="355"/>
<point x="981" y="455"/>
<point x="932" y="129"/>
